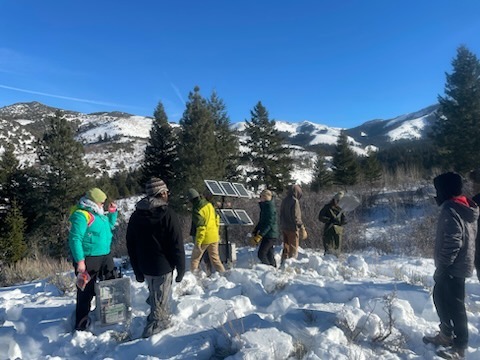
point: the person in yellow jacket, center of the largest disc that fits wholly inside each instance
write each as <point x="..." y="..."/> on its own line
<point x="205" y="231"/>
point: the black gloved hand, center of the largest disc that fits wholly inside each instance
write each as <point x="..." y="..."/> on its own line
<point x="179" y="278"/>
<point x="140" y="278"/>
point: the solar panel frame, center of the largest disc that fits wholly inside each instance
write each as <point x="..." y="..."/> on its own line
<point x="243" y="216"/>
<point x="214" y="187"/>
<point x="230" y="217"/>
<point x="222" y="218"/>
<point x="228" y="188"/>
<point x="241" y="190"/>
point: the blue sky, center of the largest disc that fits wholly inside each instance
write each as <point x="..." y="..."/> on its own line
<point x="338" y="62"/>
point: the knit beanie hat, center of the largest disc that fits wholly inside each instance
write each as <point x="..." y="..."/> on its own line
<point x="192" y="194"/>
<point x="448" y="185"/>
<point x="155" y="186"/>
<point x="96" y="195"/>
<point x="267" y="194"/>
<point x="338" y="196"/>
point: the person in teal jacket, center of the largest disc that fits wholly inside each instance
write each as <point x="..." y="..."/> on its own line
<point x="89" y="240"/>
<point x="266" y="231"/>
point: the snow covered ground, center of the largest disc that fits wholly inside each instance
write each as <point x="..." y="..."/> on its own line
<point x="357" y="307"/>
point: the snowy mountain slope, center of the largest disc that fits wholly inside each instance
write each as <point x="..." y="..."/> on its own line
<point x="115" y="141"/>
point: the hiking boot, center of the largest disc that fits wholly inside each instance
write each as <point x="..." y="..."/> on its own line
<point x="440" y="339"/>
<point x="452" y="353"/>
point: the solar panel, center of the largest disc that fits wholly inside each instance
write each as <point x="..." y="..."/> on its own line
<point x="230" y="217"/>
<point x="214" y="187"/>
<point x="243" y="216"/>
<point x="222" y="218"/>
<point x="228" y="188"/>
<point x="242" y="192"/>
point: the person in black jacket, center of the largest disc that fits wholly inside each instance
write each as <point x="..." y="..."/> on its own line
<point x="155" y="247"/>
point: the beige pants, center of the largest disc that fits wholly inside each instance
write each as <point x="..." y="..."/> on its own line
<point x="212" y="250"/>
<point x="290" y="244"/>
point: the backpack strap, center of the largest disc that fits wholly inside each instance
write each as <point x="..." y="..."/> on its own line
<point x="88" y="215"/>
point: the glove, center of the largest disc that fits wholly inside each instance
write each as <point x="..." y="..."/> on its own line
<point x="179" y="278"/>
<point x="140" y="278"/>
<point x="254" y="240"/>
<point x="112" y="207"/>
<point x="303" y="233"/>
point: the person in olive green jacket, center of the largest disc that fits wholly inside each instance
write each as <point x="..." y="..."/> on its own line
<point x="89" y="240"/>
<point x="266" y="231"/>
<point x="334" y="219"/>
<point x="205" y="231"/>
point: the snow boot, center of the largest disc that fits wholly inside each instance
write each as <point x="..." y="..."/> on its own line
<point x="453" y="353"/>
<point x="440" y="339"/>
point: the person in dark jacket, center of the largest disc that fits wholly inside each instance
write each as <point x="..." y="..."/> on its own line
<point x="89" y="239"/>
<point x="454" y="256"/>
<point x="266" y="231"/>
<point x="155" y="247"/>
<point x="334" y="219"/>
<point x="291" y="222"/>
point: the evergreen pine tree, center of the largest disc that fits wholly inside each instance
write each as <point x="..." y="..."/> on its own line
<point x="344" y="164"/>
<point x="12" y="243"/>
<point x="322" y="177"/>
<point x="266" y="154"/>
<point x="161" y="152"/>
<point x="226" y="142"/>
<point x="64" y="181"/>
<point x="456" y="131"/>
<point x="371" y="168"/>
<point x="198" y="158"/>
<point x="9" y="172"/>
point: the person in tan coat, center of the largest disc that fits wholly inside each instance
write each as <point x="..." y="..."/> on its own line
<point x="291" y="222"/>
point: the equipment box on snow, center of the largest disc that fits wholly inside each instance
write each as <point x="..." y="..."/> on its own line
<point x="113" y="304"/>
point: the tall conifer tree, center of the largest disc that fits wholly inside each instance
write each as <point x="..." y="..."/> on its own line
<point x="269" y="158"/>
<point x="161" y="151"/>
<point x="344" y="164"/>
<point x="9" y="172"/>
<point x="12" y="243"/>
<point x="371" y="168"/>
<point x="226" y="142"/>
<point x="198" y="158"/>
<point x="64" y="181"/>
<point x="322" y="177"/>
<point x="457" y="128"/>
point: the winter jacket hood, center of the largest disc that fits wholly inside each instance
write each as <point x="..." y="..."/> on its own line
<point x="150" y="202"/>
<point x="455" y="237"/>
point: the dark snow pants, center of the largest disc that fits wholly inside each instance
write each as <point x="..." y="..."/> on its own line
<point x="449" y="300"/>
<point x="266" y="254"/>
<point x="98" y="267"/>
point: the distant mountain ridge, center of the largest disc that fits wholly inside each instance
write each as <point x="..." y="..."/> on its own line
<point x="115" y="141"/>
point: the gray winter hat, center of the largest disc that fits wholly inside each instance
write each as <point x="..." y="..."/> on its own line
<point x="155" y="186"/>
